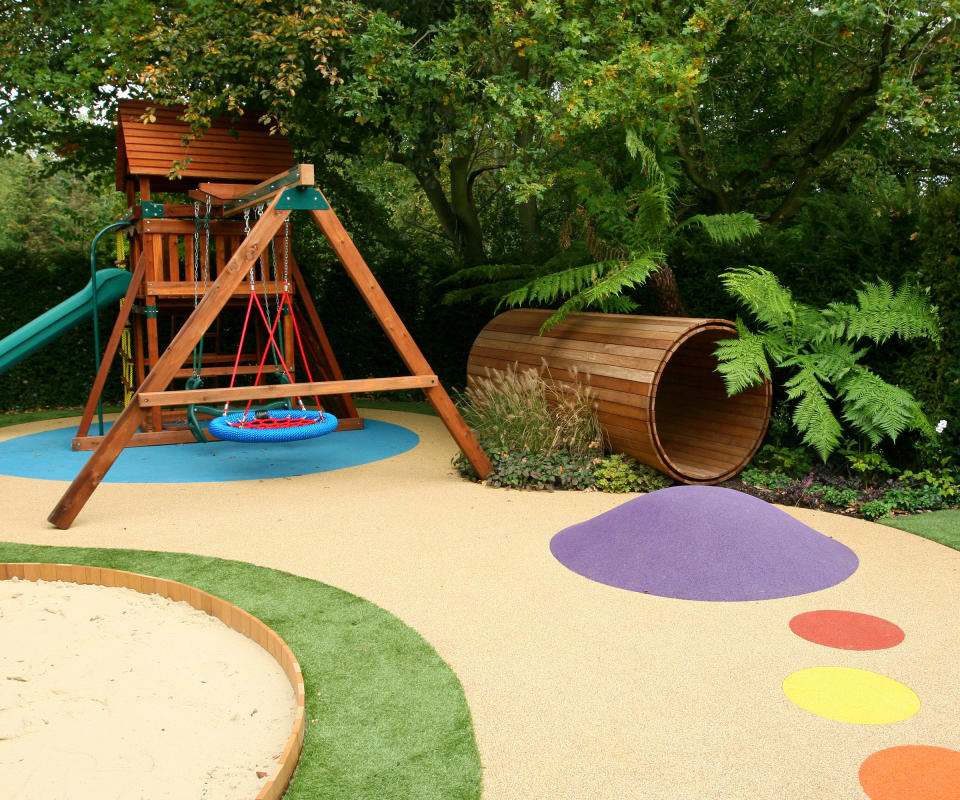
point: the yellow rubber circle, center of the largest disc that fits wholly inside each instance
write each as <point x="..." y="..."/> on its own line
<point x="851" y="695"/>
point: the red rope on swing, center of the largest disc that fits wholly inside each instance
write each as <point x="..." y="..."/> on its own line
<point x="267" y="422"/>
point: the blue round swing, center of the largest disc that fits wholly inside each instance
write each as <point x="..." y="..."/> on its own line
<point x="272" y="426"/>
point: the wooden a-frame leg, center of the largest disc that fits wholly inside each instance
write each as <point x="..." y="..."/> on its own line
<point x="397" y="332"/>
<point x="166" y="366"/>
<point x="111" y="349"/>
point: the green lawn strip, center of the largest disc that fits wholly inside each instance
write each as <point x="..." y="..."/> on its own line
<point x="940" y="526"/>
<point x="392" y="720"/>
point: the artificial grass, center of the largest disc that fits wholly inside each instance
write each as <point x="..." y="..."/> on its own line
<point x="940" y="526"/>
<point x="391" y="717"/>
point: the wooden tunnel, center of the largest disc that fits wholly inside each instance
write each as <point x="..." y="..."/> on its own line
<point x="653" y="381"/>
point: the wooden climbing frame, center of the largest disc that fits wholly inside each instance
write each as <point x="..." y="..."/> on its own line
<point x="160" y="275"/>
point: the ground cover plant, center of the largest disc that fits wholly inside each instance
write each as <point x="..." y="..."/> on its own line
<point x="538" y="433"/>
<point x="854" y="482"/>
<point x="386" y="717"/>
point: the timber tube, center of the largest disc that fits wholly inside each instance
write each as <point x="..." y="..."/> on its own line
<point x="652" y="380"/>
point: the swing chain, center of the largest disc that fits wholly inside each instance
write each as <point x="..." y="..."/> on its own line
<point x="206" y="245"/>
<point x="196" y="251"/>
<point x="286" y="254"/>
<point x="246" y="232"/>
<point x="264" y="271"/>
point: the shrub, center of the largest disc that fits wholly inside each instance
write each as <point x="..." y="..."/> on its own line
<point x="792" y="461"/>
<point x="513" y="411"/>
<point x="765" y="480"/>
<point x="555" y="470"/>
<point x="835" y="496"/>
<point x="538" y="433"/>
<point x="620" y="473"/>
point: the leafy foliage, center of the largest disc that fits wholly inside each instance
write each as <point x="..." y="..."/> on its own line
<point x="619" y="473"/>
<point x="818" y="347"/>
<point x="555" y="470"/>
<point x="516" y="411"/>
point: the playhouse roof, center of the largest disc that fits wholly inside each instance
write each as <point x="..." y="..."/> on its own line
<point x="241" y="151"/>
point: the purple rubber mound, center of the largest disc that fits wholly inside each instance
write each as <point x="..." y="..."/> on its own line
<point x="704" y="543"/>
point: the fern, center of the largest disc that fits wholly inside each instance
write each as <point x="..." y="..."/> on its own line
<point x="742" y="361"/>
<point x="875" y="407"/>
<point x="760" y="291"/>
<point x="725" y="228"/>
<point x="820" y="349"/>
<point x="812" y="416"/>
<point x="883" y="314"/>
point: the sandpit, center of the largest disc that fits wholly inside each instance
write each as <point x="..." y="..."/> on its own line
<point x="108" y="692"/>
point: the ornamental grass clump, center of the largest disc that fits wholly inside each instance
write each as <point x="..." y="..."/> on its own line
<point x="538" y="433"/>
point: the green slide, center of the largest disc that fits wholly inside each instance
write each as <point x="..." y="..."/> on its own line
<point x="111" y="286"/>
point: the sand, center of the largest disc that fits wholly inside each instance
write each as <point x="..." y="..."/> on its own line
<point x="109" y="693"/>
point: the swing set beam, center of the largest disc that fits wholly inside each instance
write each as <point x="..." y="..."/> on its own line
<point x="278" y="391"/>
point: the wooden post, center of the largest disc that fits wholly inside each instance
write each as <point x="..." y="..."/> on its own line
<point x="397" y="332"/>
<point x="111" y="349"/>
<point x="166" y="366"/>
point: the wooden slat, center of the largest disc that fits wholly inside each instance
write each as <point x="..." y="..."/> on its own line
<point x="281" y="390"/>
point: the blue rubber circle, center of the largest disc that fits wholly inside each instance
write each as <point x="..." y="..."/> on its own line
<point x="47" y="455"/>
<point x="227" y="427"/>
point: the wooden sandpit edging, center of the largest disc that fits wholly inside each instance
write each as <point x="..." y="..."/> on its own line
<point x="233" y="616"/>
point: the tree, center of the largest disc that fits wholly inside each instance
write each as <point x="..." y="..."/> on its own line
<point x="799" y="96"/>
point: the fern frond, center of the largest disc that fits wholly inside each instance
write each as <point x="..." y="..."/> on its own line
<point x="877" y="408"/>
<point x="647" y="158"/>
<point x="812" y="416"/>
<point x="760" y="291"/>
<point x="618" y="305"/>
<point x="550" y="288"/>
<point x="494" y="281"/>
<point x="742" y="362"/>
<point x="883" y="313"/>
<point x="651" y="212"/>
<point x="626" y="275"/>
<point x="725" y="228"/>
<point x="834" y="359"/>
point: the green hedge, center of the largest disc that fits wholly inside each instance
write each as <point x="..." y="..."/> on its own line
<point x="61" y="374"/>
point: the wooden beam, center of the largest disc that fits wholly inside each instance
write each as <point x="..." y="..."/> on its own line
<point x="398" y="335"/>
<point x="166" y="366"/>
<point x="300" y="175"/>
<point x="111" y="349"/>
<point x="279" y="390"/>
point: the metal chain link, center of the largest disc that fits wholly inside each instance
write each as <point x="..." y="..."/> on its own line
<point x="196" y="251"/>
<point x="246" y="231"/>
<point x="206" y="246"/>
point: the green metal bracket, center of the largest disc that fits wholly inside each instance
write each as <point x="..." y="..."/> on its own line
<point x="150" y="210"/>
<point x="302" y="198"/>
<point x="147" y="311"/>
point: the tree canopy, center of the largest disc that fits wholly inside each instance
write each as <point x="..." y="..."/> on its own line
<point x="483" y="102"/>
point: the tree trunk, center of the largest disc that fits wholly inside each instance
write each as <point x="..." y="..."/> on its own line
<point x="665" y="289"/>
